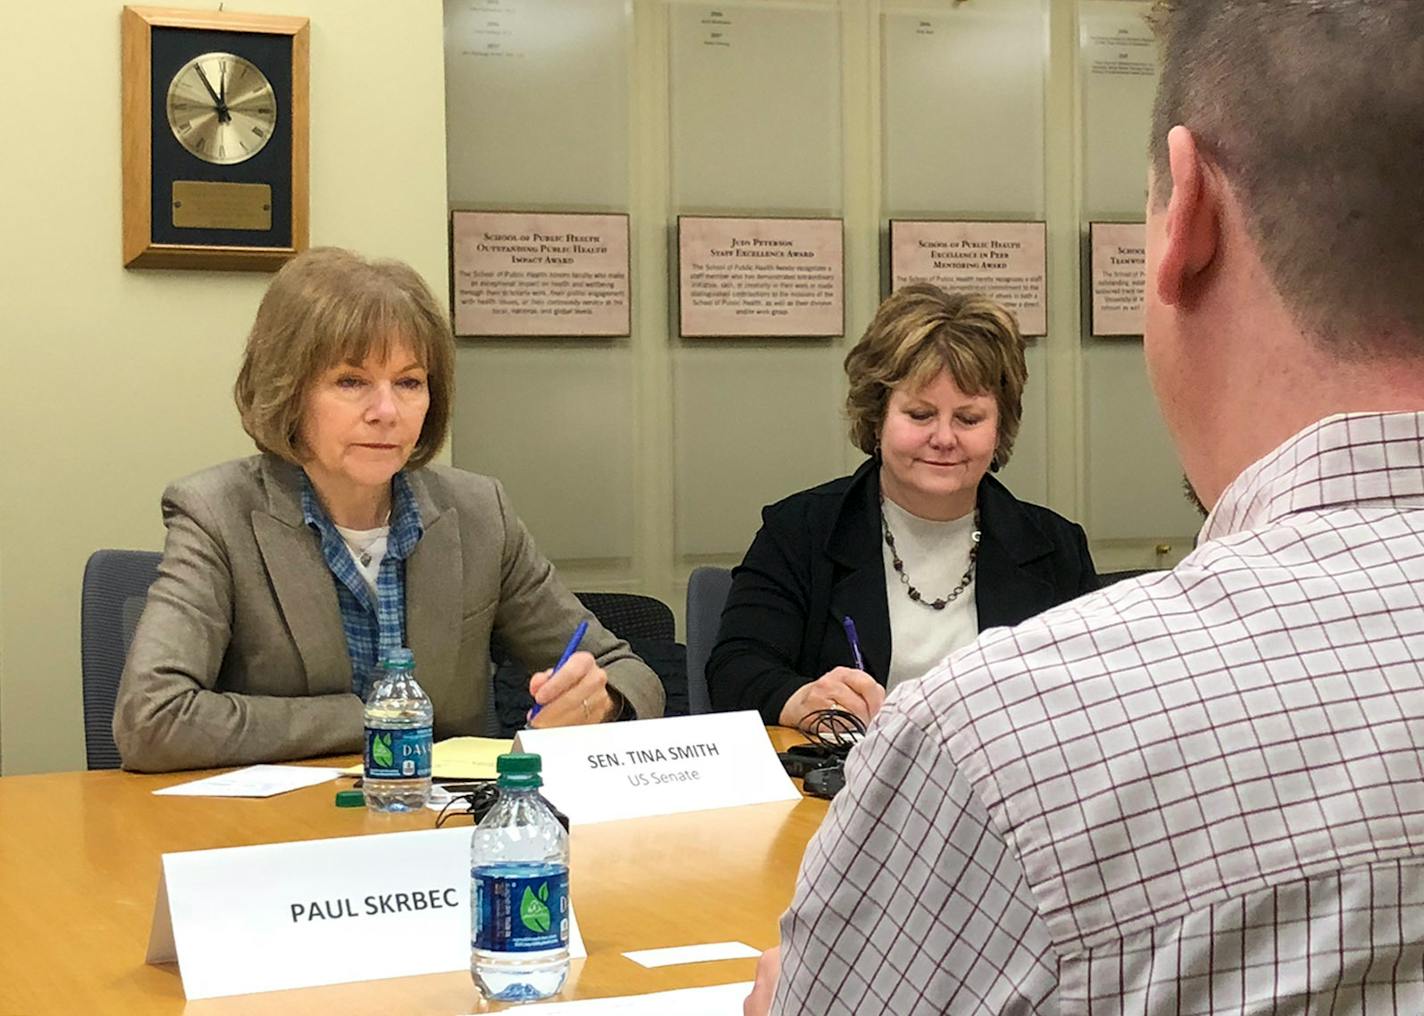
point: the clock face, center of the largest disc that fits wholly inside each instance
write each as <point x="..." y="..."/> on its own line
<point x="221" y="108"/>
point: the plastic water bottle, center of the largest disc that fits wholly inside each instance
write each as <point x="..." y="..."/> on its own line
<point x="399" y="722"/>
<point x="519" y="905"/>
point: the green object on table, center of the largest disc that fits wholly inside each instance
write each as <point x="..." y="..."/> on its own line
<point x="350" y="799"/>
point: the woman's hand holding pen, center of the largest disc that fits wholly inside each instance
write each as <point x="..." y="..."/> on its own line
<point x="576" y="693"/>
<point x="849" y="689"/>
<point x="845" y="688"/>
<point x="573" y="691"/>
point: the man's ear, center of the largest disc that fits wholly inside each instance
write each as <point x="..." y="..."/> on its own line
<point x="1192" y="224"/>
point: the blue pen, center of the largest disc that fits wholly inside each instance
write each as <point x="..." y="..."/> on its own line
<point x="854" y="641"/>
<point x="569" y="650"/>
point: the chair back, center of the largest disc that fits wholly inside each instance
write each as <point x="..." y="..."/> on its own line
<point x="645" y="622"/>
<point x="707" y="589"/>
<point x="632" y="615"/>
<point x="115" y="588"/>
<point x="1106" y="579"/>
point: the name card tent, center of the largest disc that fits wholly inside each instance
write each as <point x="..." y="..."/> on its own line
<point x="240" y="920"/>
<point x="665" y="766"/>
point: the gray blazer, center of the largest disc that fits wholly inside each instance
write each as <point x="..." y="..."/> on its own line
<point x="240" y="656"/>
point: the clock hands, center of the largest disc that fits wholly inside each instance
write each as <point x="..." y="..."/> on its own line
<point x="210" y="123"/>
<point x="223" y="115"/>
<point x="207" y="84"/>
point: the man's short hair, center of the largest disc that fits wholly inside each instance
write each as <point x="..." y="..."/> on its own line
<point x="329" y="306"/>
<point x="920" y="331"/>
<point x="1313" y="110"/>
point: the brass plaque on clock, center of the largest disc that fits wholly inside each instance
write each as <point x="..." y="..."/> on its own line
<point x="203" y="204"/>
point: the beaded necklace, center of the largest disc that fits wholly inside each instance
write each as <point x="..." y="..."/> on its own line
<point x="899" y="565"/>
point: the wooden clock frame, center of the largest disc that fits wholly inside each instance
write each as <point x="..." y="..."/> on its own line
<point x="140" y="94"/>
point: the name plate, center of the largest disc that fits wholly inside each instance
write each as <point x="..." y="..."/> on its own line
<point x="610" y="771"/>
<point x="205" y="204"/>
<point x="241" y="920"/>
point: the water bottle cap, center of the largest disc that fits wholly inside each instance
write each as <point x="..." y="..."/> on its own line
<point x="519" y="762"/>
<point x="519" y="769"/>
<point x="397" y="659"/>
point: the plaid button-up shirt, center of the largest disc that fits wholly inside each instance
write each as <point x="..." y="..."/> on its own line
<point x="371" y="627"/>
<point x="1200" y="791"/>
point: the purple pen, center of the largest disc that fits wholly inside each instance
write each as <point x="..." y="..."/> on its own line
<point x="854" y="641"/>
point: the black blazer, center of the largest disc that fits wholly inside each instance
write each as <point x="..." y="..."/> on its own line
<point x="817" y="558"/>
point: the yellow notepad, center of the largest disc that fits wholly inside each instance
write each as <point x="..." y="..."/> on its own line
<point x="462" y="758"/>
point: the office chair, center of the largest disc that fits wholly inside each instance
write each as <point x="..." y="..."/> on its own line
<point x="707" y="590"/>
<point x="632" y="615"/>
<point x="644" y="622"/>
<point x="1106" y="579"/>
<point x="115" y="587"/>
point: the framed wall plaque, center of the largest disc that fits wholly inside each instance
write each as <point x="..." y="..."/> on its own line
<point x="766" y="278"/>
<point x="1005" y="261"/>
<point x="547" y="274"/>
<point x="214" y="139"/>
<point x="1118" y="276"/>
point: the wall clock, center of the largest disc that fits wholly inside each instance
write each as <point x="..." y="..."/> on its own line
<point x="214" y="139"/>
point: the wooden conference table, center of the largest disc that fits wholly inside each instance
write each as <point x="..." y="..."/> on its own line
<point x="79" y="866"/>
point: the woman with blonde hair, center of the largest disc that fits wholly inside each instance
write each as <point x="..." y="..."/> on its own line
<point x="860" y="583"/>
<point x="286" y="575"/>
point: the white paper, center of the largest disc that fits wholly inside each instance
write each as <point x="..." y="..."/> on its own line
<point x="718" y="1000"/>
<point x="239" y="920"/>
<point x="254" y="781"/>
<point x="692" y="954"/>
<point x="609" y="771"/>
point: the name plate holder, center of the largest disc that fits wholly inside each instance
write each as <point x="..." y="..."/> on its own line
<point x="611" y="771"/>
<point x="242" y="920"/>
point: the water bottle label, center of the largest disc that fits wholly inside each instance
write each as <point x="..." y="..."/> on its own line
<point x="520" y="914"/>
<point x="398" y="754"/>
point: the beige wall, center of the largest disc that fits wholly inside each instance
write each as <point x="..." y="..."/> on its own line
<point x="118" y="381"/>
<point x="866" y="110"/>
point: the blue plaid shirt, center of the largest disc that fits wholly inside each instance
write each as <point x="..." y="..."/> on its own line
<point x="371" y="628"/>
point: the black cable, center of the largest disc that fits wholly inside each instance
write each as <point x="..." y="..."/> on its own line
<point x="832" y="733"/>
<point x="478" y="799"/>
<point x="474" y="801"/>
<point x="834" y="730"/>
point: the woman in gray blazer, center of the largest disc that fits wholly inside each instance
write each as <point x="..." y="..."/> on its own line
<point x="287" y="574"/>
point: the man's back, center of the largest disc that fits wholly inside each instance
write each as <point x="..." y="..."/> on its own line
<point x="1202" y="791"/>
